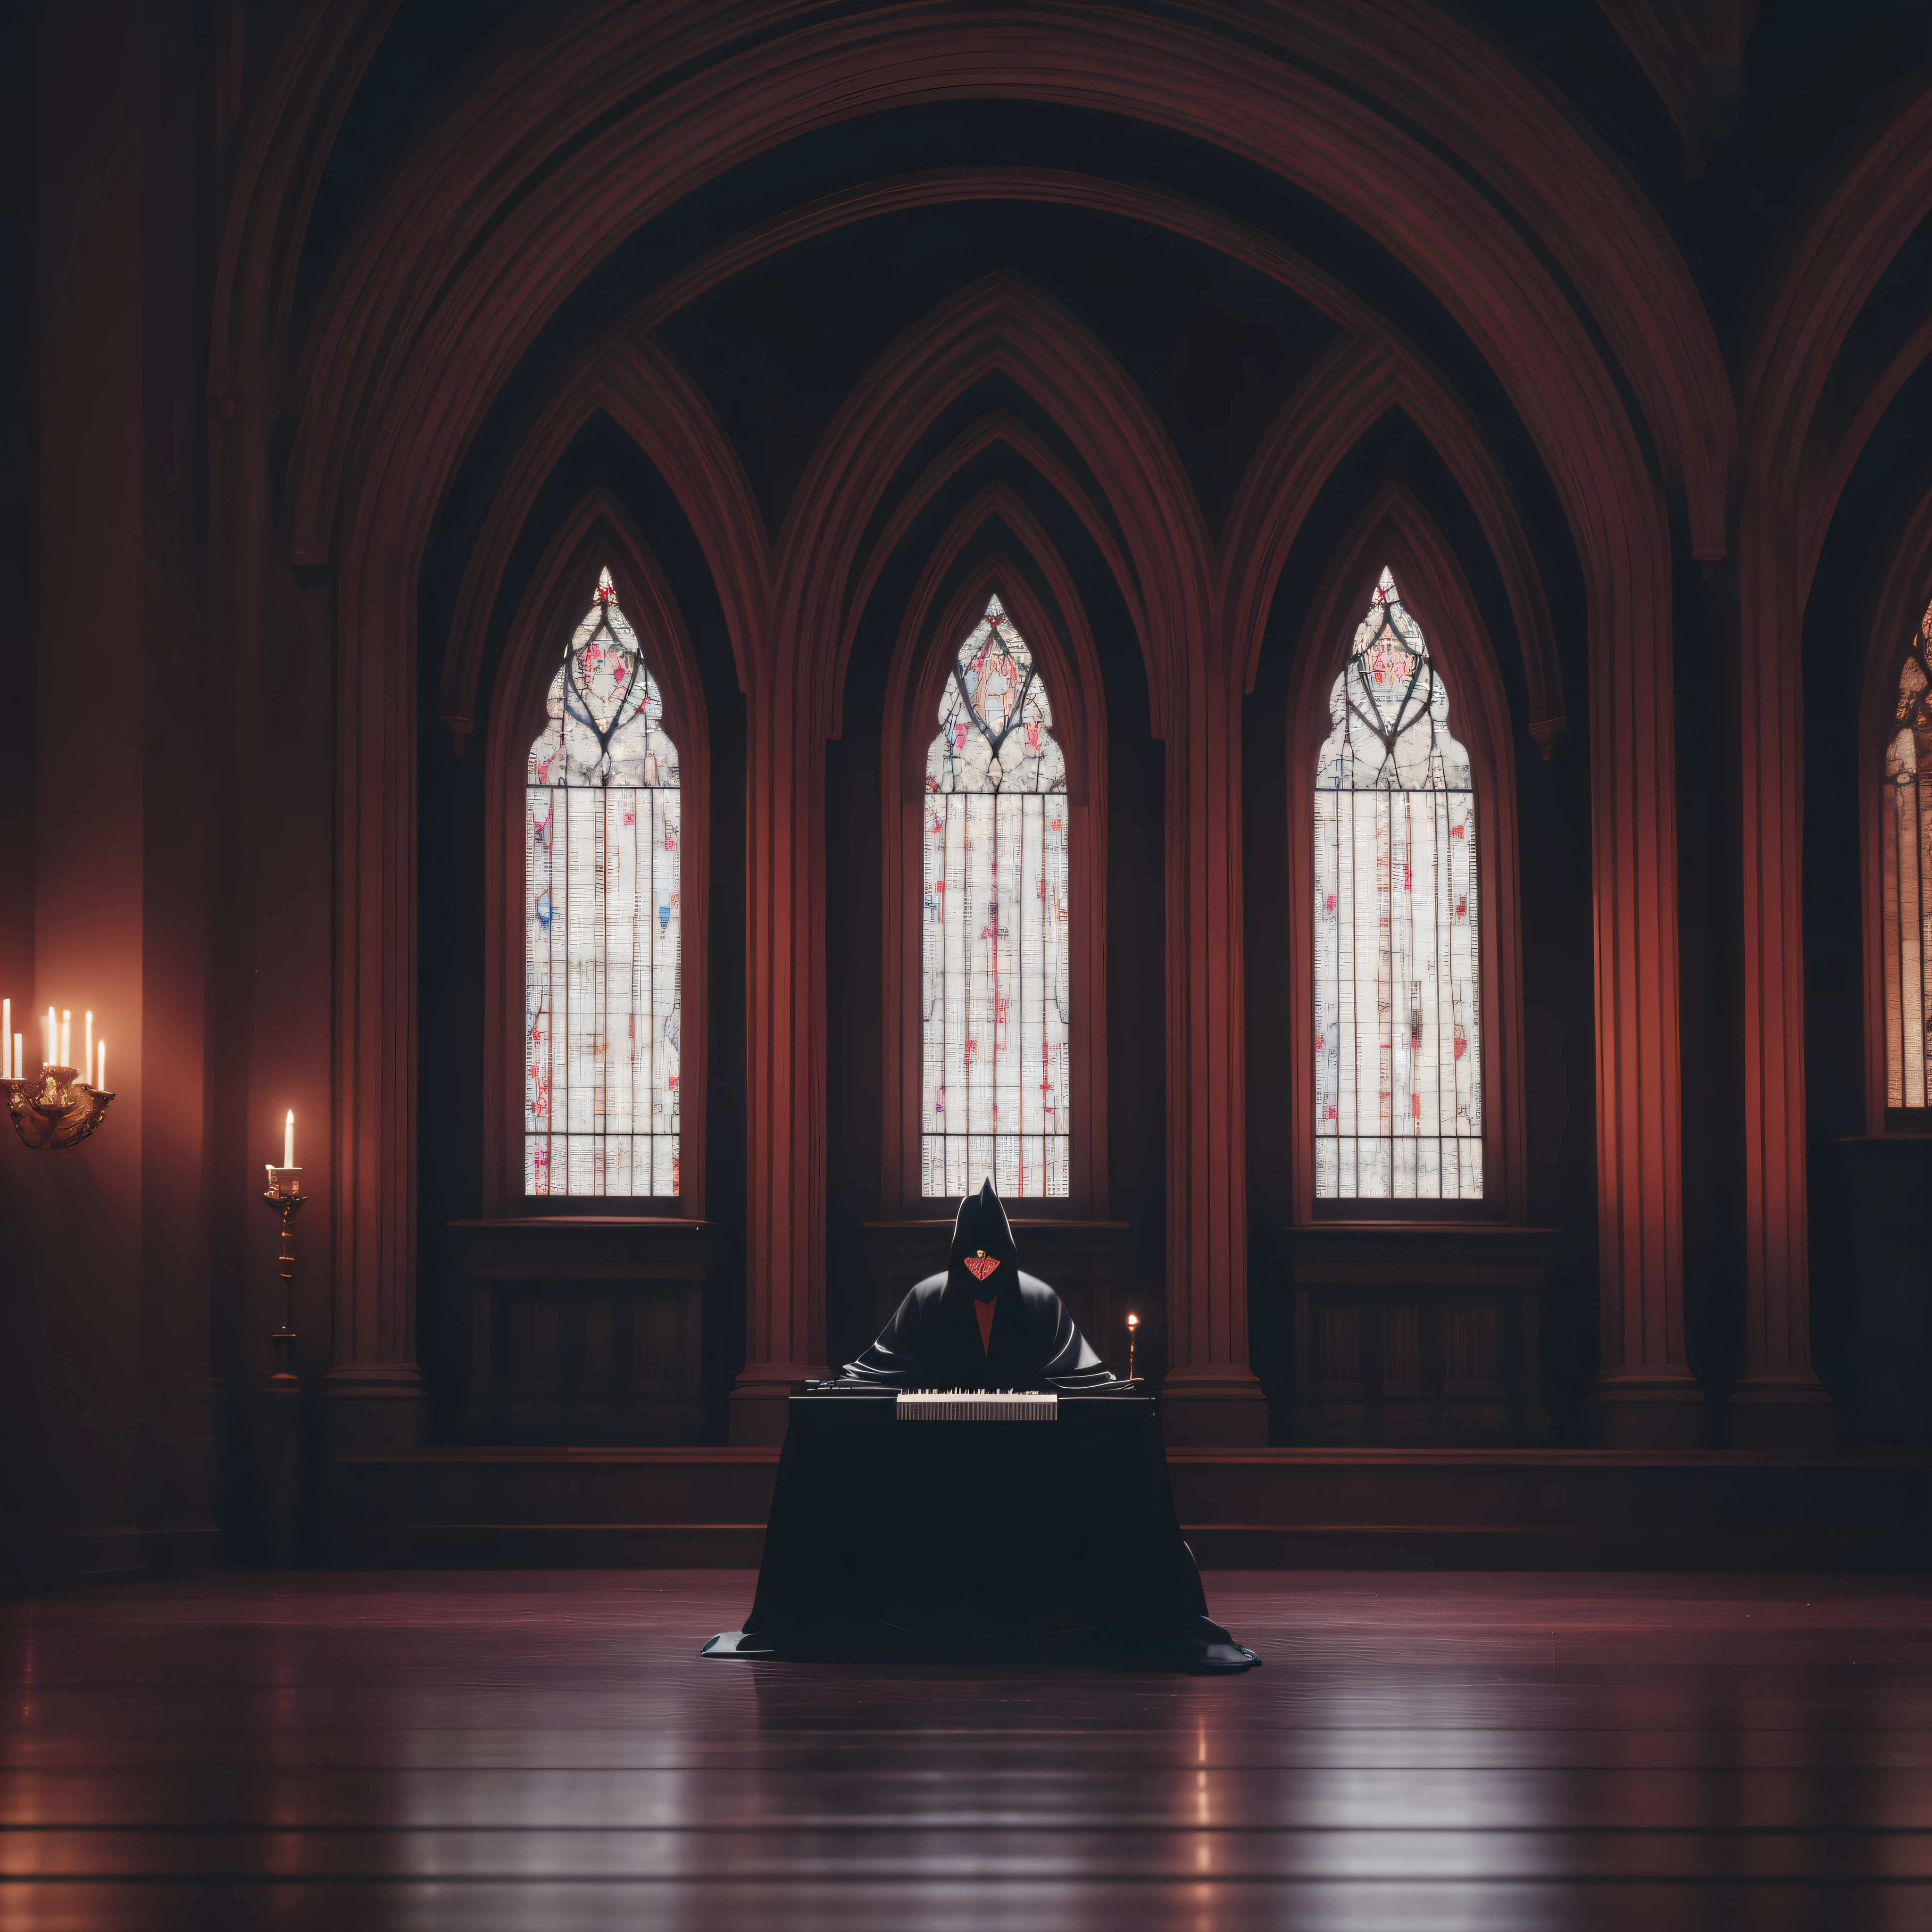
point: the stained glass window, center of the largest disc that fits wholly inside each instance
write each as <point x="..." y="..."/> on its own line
<point x="1398" y="1083"/>
<point x="601" y="1005"/>
<point x="1905" y="827"/>
<point x="994" y="996"/>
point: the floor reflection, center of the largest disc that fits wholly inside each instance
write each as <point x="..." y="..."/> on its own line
<point x="539" y="1750"/>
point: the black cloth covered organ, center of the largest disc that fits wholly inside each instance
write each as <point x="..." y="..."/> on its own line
<point x="889" y="1534"/>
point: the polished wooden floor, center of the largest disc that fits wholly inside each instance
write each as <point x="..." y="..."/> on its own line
<point x="535" y="1749"/>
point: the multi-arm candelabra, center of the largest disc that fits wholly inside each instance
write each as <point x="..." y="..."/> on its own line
<point x="60" y="1109"/>
<point x="66" y="1103"/>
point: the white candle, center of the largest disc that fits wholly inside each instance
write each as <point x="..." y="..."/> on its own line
<point x="66" y="1036"/>
<point x="19" y="1059"/>
<point x="289" y="1139"/>
<point x="53" y="1039"/>
<point x="100" y="1085"/>
<point x="87" y="1058"/>
<point x="6" y="1039"/>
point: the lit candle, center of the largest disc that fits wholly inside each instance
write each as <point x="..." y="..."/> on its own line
<point x="100" y="1085"/>
<point x="53" y="1039"/>
<point x="289" y="1139"/>
<point x="66" y="1036"/>
<point x="87" y="1060"/>
<point x="6" y="1039"/>
<point x="19" y="1059"/>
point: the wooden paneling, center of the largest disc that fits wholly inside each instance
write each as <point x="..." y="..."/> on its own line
<point x="1414" y="1334"/>
<point x="582" y="1331"/>
<point x="1274" y="1508"/>
<point x="1889" y="1185"/>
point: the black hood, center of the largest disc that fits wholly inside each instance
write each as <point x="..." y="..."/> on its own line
<point x="981" y="1228"/>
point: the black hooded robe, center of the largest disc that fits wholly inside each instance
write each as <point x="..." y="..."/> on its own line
<point x="959" y="1536"/>
<point x="933" y="1340"/>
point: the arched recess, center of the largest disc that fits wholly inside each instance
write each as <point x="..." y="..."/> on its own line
<point x="1185" y="73"/>
<point x="999" y="325"/>
<point x="1394" y="532"/>
<point x="455" y="276"/>
<point x="1788" y="492"/>
<point x="998" y="427"/>
<point x="1904" y="592"/>
<point x="1045" y="607"/>
<point x="1337" y="404"/>
<point x="598" y="534"/>
<point x="646" y="391"/>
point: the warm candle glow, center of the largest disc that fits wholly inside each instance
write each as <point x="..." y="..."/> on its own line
<point x="100" y="1085"/>
<point x="53" y="1056"/>
<point x="87" y="1059"/>
<point x="66" y="1036"/>
<point x="19" y="1059"/>
<point x="7" y="1071"/>
<point x="289" y="1139"/>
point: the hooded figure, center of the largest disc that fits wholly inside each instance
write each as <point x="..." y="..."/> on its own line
<point x="982" y="1324"/>
<point x="961" y="1536"/>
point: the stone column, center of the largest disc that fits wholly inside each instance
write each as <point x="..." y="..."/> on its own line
<point x="784" y="945"/>
<point x="1778" y="1402"/>
<point x="1644" y="1395"/>
<point x="1211" y="1394"/>
<point x="374" y="1392"/>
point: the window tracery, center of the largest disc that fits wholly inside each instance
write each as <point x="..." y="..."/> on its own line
<point x="995" y="1078"/>
<point x="1397" y="1008"/>
<point x="602" y="953"/>
<point x="1905" y="831"/>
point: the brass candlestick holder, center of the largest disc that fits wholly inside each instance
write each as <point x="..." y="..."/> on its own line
<point x="1133" y="1324"/>
<point x="58" y="1110"/>
<point x="284" y="1195"/>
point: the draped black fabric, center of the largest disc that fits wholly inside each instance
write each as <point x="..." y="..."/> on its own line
<point x="933" y="1340"/>
<point x="958" y="1537"/>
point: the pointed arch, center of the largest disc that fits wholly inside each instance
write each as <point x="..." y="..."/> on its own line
<point x="1283" y="114"/>
<point x="1059" y="621"/>
<point x="996" y="427"/>
<point x="464" y="264"/>
<point x="1393" y="532"/>
<point x="643" y="388"/>
<point x="1880" y="196"/>
<point x="1000" y="324"/>
<point x="598" y="536"/>
<point x="1045" y="610"/>
<point x="1340" y="401"/>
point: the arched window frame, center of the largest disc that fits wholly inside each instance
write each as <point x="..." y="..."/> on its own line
<point x="1904" y="595"/>
<point x="1048" y="615"/>
<point x="1396" y="534"/>
<point x="598" y="536"/>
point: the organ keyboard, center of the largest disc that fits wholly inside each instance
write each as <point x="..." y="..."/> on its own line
<point x="977" y="1405"/>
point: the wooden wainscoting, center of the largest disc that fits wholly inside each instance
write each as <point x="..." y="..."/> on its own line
<point x="1887" y="1183"/>
<point x="582" y="1330"/>
<point x="1418" y="1333"/>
